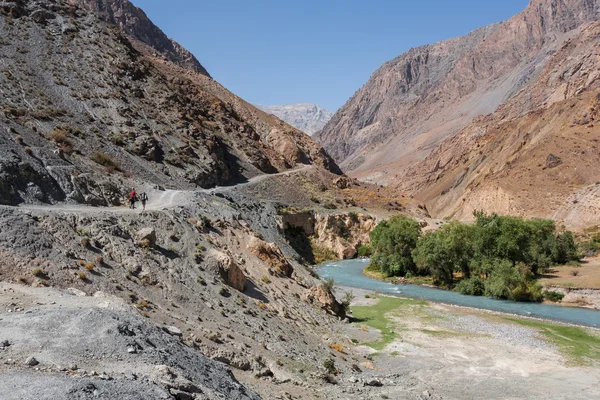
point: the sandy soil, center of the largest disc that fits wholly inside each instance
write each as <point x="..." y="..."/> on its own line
<point x="449" y="352"/>
<point x="585" y="276"/>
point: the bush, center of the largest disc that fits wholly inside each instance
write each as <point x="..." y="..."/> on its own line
<point x="328" y="285"/>
<point x="38" y="272"/>
<point x="364" y="250"/>
<point x="105" y="159"/>
<point x="473" y="286"/>
<point x="81" y="275"/>
<point x="553" y="296"/>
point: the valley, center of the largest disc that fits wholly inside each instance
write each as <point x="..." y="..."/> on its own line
<point x="216" y="290"/>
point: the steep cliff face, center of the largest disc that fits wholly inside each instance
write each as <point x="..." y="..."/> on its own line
<point x="414" y="102"/>
<point x="542" y="162"/>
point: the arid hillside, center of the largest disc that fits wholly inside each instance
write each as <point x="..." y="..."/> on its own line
<point x="517" y="85"/>
<point x="86" y="106"/>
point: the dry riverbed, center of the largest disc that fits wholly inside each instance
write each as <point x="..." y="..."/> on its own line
<point x="428" y="350"/>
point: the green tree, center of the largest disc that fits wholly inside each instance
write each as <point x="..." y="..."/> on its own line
<point x="392" y="243"/>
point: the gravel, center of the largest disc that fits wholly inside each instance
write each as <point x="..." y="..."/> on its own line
<point x="511" y="334"/>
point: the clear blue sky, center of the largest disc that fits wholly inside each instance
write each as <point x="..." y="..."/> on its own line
<point x="318" y="51"/>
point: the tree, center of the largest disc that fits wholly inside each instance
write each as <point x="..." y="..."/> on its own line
<point x="392" y="242"/>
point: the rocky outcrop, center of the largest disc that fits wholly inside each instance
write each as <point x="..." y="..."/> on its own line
<point x="323" y="297"/>
<point x="309" y="118"/>
<point x="231" y="273"/>
<point x="272" y="255"/>
<point x="343" y="233"/>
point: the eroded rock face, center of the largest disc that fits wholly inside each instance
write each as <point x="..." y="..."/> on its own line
<point x="448" y="84"/>
<point x="272" y="255"/>
<point x="342" y="233"/>
<point x="326" y="300"/>
<point x="231" y="272"/>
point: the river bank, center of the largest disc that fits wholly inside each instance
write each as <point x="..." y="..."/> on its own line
<point x="350" y="273"/>
<point x="578" y="297"/>
<point x="422" y="349"/>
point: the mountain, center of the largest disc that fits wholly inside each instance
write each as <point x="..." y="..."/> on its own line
<point x="307" y="117"/>
<point x="414" y="107"/>
<point x="123" y="98"/>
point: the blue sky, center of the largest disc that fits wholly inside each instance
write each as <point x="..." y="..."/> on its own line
<point x="318" y="51"/>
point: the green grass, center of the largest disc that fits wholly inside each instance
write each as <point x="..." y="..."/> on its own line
<point x="577" y="344"/>
<point x="378" y="317"/>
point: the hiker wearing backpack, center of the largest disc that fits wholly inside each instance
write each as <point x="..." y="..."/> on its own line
<point x="132" y="198"/>
<point x="144" y="199"/>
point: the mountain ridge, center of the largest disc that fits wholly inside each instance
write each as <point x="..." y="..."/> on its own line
<point x="308" y="117"/>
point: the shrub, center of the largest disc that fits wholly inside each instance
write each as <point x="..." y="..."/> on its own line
<point x="99" y="260"/>
<point x="224" y="291"/>
<point x="364" y="250"/>
<point x="266" y="279"/>
<point x="328" y="285"/>
<point x="473" y="286"/>
<point x="89" y="266"/>
<point x="81" y="275"/>
<point x="105" y="160"/>
<point x="59" y="137"/>
<point x="38" y="272"/>
<point x="29" y="150"/>
<point x="553" y="296"/>
<point x="329" y="365"/>
<point x="85" y="242"/>
<point x="337" y="347"/>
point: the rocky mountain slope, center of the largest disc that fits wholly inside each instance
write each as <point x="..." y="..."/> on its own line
<point x="414" y="106"/>
<point x="94" y="101"/>
<point x="309" y="118"/>
<point x="86" y="107"/>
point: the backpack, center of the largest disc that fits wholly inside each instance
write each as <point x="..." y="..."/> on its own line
<point x="144" y="197"/>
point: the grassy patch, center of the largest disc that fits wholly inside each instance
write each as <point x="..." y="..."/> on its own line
<point x="374" y="273"/>
<point x="576" y="343"/>
<point x="378" y="316"/>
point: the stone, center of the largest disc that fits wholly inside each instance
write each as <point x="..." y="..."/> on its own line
<point x="231" y="272"/>
<point x="553" y="161"/>
<point x="148" y="234"/>
<point x="373" y="382"/>
<point x="349" y="253"/>
<point x="31" y="362"/>
<point x="319" y="295"/>
<point x="172" y="330"/>
<point x="131" y="350"/>
<point x="271" y="254"/>
<point x="180" y="394"/>
<point x="4" y="343"/>
<point x="41" y="16"/>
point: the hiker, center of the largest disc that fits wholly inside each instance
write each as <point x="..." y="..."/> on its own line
<point x="132" y="198"/>
<point x="144" y="199"/>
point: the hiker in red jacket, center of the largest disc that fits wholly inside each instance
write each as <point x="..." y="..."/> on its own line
<point x="132" y="198"/>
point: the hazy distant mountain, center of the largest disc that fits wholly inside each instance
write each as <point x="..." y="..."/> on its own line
<point x="307" y="117"/>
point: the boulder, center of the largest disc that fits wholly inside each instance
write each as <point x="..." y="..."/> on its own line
<point x="326" y="300"/>
<point x="231" y="272"/>
<point x="173" y="331"/>
<point x="553" y="161"/>
<point x="343" y="182"/>
<point x="272" y="255"/>
<point x="41" y="16"/>
<point x="349" y="253"/>
<point x="148" y="234"/>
